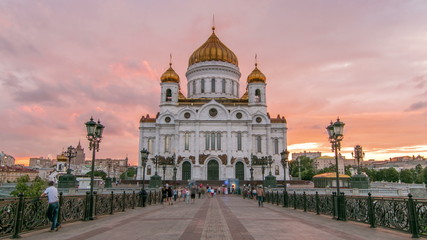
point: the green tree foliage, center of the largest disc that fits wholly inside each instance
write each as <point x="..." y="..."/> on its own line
<point x="101" y="174"/>
<point x="29" y="189"/>
<point x="307" y="168"/>
<point x="130" y="173"/>
<point x="407" y="176"/>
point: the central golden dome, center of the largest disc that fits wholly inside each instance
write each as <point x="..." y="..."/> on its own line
<point x="213" y="50"/>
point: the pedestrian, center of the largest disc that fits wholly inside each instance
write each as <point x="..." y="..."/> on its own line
<point x="260" y="196"/>
<point x="193" y="194"/>
<point x="199" y="191"/>
<point x="170" y="194"/>
<point x="187" y="196"/>
<point x="164" y="195"/>
<point x="52" y="211"/>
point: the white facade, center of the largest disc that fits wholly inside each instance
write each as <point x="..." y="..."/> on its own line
<point x="214" y="130"/>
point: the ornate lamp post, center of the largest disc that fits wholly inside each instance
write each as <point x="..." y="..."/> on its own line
<point x="174" y="175"/>
<point x="358" y="155"/>
<point x="164" y="171"/>
<point x="70" y="153"/>
<point x="269" y="160"/>
<point x="336" y="135"/>
<point x="94" y="135"/>
<point x="284" y="161"/>
<point x="144" y="158"/>
<point x="252" y="175"/>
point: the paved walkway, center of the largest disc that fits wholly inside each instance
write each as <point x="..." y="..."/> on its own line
<point x="221" y="217"/>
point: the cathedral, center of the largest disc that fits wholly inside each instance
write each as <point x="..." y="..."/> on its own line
<point x="214" y="132"/>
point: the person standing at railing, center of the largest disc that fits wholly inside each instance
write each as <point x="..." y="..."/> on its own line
<point x="260" y="195"/>
<point x="52" y="211"/>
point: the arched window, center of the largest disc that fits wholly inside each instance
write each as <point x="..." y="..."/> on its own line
<point x="167" y="144"/>
<point x="239" y="141"/>
<point x="212" y="141"/>
<point x="187" y="141"/>
<point x="257" y="95"/>
<point x="207" y="141"/>
<point x="240" y="171"/>
<point x="194" y="87"/>
<point x="150" y="145"/>
<point x="258" y="144"/>
<point x="218" y="138"/>
<point x="276" y="170"/>
<point x="186" y="171"/>
<point x="213" y="85"/>
<point x="148" y="170"/>
<point x="276" y="146"/>
<point x="168" y="95"/>
<point x="223" y="85"/>
<point x="202" y="90"/>
<point x="232" y="88"/>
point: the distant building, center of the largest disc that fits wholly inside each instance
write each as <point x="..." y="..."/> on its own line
<point x="113" y="167"/>
<point x="312" y="155"/>
<point x="327" y="161"/>
<point x="11" y="174"/>
<point x="40" y="162"/>
<point x="6" y="160"/>
<point x="80" y="157"/>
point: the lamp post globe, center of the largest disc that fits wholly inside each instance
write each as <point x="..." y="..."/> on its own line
<point x="144" y="158"/>
<point x="94" y="135"/>
<point x="284" y="161"/>
<point x="336" y="134"/>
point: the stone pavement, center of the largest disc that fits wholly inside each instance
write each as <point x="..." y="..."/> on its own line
<point x="221" y="217"/>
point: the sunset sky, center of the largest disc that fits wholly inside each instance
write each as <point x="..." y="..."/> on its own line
<point x="64" y="61"/>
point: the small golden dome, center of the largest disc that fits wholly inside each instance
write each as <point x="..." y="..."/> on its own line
<point x="213" y="50"/>
<point x="256" y="76"/>
<point x="170" y="75"/>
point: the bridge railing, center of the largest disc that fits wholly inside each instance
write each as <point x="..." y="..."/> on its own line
<point x="399" y="213"/>
<point x="18" y="215"/>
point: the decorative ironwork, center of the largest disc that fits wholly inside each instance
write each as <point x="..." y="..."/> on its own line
<point x="392" y="213"/>
<point x="8" y="211"/>
<point x="72" y="208"/>
<point x="357" y="209"/>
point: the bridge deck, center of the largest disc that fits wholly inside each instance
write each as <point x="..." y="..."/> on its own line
<point x="221" y="217"/>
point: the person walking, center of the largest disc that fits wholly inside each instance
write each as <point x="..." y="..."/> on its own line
<point x="193" y="194"/>
<point x="52" y="211"/>
<point x="170" y="194"/>
<point x="260" y="195"/>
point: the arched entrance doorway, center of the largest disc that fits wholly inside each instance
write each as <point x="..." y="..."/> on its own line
<point x="186" y="171"/>
<point x="240" y="171"/>
<point x="213" y="170"/>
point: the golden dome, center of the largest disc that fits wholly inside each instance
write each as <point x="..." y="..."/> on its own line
<point x="256" y="76"/>
<point x="170" y="75"/>
<point x="213" y="50"/>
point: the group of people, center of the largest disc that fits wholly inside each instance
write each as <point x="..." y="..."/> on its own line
<point x="253" y="192"/>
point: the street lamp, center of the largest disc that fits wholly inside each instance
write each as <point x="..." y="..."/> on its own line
<point x="94" y="135"/>
<point x="70" y="153"/>
<point x="252" y="175"/>
<point x="284" y="161"/>
<point x="174" y="175"/>
<point x="164" y="171"/>
<point x="358" y="155"/>
<point x="336" y="135"/>
<point x="144" y="158"/>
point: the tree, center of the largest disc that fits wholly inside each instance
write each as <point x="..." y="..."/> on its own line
<point x="406" y="176"/>
<point x="307" y="168"/>
<point x="101" y="174"/>
<point x="35" y="189"/>
<point x="130" y="173"/>
<point x="391" y="175"/>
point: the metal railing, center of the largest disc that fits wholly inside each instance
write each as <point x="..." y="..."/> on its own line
<point x="399" y="213"/>
<point x="18" y="215"/>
